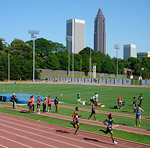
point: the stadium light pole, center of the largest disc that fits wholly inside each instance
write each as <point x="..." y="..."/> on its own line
<point x="90" y="62"/>
<point x="68" y="39"/>
<point x="33" y="32"/>
<point x="117" y="46"/>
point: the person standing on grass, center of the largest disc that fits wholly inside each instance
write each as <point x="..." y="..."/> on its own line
<point x="138" y="114"/>
<point x="33" y="100"/>
<point x="30" y="105"/>
<point x="78" y="98"/>
<point x="44" y="105"/>
<point x="93" y="110"/>
<point x="49" y="103"/>
<point x="56" y="102"/>
<point x="75" y="122"/>
<point x="38" y="104"/>
<point x="134" y="104"/>
<point x="141" y="99"/>
<point x="14" y="100"/>
<point x="109" y="122"/>
<point x="96" y="97"/>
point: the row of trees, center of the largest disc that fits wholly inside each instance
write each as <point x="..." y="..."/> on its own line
<point x="53" y="55"/>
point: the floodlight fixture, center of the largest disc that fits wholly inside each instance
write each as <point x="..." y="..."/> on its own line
<point x="33" y="32"/>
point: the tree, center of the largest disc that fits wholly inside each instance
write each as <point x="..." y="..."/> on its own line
<point x="52" y="62"/>
<point x="1" y="45"/>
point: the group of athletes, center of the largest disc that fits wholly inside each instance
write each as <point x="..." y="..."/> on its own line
<point x="47" y="103"/>
<point x="108" y="122"/>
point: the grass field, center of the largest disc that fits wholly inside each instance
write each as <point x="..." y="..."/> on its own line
<point x="107" y="95"/>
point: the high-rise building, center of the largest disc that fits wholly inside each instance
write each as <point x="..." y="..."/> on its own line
<point x="75" y="35"/>
<point x="129" y="51"/>
<point x="99" y="32"/>
<point x="143" y="54"/>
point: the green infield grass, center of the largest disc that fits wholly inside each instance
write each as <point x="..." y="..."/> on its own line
<point x="66" y="93"/>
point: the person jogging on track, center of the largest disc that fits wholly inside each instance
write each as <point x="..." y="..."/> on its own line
<point x="75" y="122"/>
<point x="109" y="122"/>
<point x="93" y="110"/>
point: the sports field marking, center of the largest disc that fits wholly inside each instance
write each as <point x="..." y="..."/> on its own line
<point x="3" y="146"/>
<point x="25" y="137"/>
<point x="127" y="144"/>
<point x="56" y="140"/>
<point x="44" y="132"/>
<point x="8" y="139"/>
<point x="115" y="126"/>
<point x="80" y="136"/>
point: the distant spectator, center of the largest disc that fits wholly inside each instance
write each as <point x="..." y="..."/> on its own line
<point x="96" y="97"/>
<point x="49" y="103"/>
<point x="91" y="101"/>
<point x="56" y="102"/>
<point x="30" y="105"/>
<point x="14" y="100"/>
<point x="141" y="99"/>
<point x="120" y="102"/>
<point x="38" y="104"/>
<point x="44" y="105"/>
<point x="78" y="98"/>
<point x="33" y="100"/>
<point x="134" y="104"/>
<point x="138" y="114"/>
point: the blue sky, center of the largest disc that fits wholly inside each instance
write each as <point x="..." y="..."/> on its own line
<point x="127" y="21"/>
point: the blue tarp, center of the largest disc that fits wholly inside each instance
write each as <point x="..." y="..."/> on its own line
<point x="22" y="97"/>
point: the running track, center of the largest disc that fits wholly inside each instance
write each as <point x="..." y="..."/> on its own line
<point x="118" y="127"/>
<point x="18" y="132"/>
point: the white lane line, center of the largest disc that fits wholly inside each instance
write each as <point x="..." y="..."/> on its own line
<point x="56" y="140"/>
<point x="12" y="116"/>
<point x="26" y="138"/>
<point x="49" y="133"/>
<point x="63" y="136"/>
<point x="8" y="139"/>
<point x="3" y="146"/>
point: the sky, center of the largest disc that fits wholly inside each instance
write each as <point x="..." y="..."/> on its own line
<point x="127" y="21"/>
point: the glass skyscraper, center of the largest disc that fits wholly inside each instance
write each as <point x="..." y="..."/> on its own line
<point x="99" y="32"/>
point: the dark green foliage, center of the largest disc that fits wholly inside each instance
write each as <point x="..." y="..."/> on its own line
<point x="53" y="55"/>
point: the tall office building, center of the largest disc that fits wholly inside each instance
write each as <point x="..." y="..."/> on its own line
<point x="143" y="54"/>
<point x="75" y="35"/>
<point x="99" y="32"/>
<point x="129" y="51"/>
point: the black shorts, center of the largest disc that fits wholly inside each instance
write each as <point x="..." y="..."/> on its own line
<point x="93" y="111"/>
<point x="49" y="104"/>
<point x="38" y="105"/>
<point x="108" y="130"/>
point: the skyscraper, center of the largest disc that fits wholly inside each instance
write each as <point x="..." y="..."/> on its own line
<point x="75" y="35"/>
<point x="129" y="51"/>
<point x="99" y="32"/>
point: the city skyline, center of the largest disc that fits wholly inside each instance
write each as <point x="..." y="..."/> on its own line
<point x="123" y="23"/>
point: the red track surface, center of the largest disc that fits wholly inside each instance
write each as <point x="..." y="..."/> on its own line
<point x="17" y="132"/>
<point x="118" y="127"/>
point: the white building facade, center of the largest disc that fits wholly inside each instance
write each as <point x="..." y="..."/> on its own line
<point x="129" y="51"/>
<point x="75" y="35"/>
